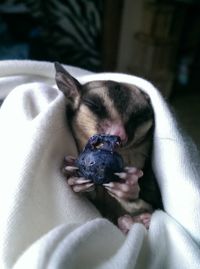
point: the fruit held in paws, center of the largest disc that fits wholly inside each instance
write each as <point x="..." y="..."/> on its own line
<point x="99" y="159"/>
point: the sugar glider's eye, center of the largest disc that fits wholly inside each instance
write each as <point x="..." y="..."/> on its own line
<point x="96" y="105"/>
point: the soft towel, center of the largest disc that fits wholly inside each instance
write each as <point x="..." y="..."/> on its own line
<point x="43" y="224"/>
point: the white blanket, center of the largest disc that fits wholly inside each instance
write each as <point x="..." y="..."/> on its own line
<point x="43" y="224"/>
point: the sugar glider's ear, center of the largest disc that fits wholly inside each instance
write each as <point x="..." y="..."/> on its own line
<point x="67" y="84"/>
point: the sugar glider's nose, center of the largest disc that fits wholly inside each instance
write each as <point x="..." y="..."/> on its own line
<point x="119" y="130"/>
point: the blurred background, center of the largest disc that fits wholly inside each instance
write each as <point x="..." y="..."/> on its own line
<point x="156" y="39"/>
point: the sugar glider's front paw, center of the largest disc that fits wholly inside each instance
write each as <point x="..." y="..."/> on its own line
<point x="127" y="189"/>
<point x="77" y="183"/>
<point x="126" y="222"/>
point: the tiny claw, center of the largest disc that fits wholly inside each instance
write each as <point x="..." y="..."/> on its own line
<point x="70" y="168"/>
<point x="109" y="185"/>
<point x="122" y="175"/>
<point x="83" y="180"/>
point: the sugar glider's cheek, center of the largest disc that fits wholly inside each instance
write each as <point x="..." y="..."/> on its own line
<point x="85" y="122"/>
<point x="140" y="134"/>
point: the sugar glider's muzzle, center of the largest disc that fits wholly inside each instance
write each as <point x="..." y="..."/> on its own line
<point x="118" y="130"/>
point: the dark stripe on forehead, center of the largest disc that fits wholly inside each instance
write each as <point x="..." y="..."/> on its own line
<point x="119" y="94"/>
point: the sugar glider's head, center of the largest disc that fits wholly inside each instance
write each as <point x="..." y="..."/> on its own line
<point x="106" y="107"/>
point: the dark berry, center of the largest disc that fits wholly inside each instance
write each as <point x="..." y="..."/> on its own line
<point x="99" y="159"/>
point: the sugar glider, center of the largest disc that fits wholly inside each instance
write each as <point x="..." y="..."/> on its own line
<point x="109" y="107"/>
